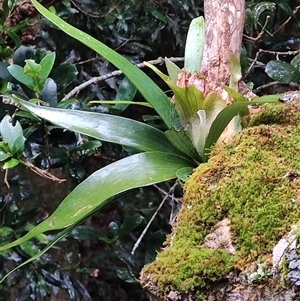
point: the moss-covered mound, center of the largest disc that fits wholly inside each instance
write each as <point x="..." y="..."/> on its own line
<point x="254" y="181"/>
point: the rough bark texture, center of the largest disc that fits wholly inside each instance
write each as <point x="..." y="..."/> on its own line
<point x="224" y="24"/>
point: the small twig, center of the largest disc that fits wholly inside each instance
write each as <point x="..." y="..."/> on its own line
<point x="293" y="85"/>
<point x="41" y="172"/>
<point x="287" y="20"/>
<point x="178" y="200"/>
<point x="6" y="181"/>
<point x="276" y="53"/>
<point x="261" y="32"/>
<point x="136" y="245"/>
<point x="95" y="80"/>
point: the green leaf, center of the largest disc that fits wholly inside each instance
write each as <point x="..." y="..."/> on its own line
<point x="49" y="92"/>
<point x="194" y="46"/>
<point x="259" y="8"/>
<point x="67" y="103"/>
<point x="15" y="37"/>
<point x="21" y="54"/>
<point x="180" y="140"/>
<point x="46" y="66"/>
<point x="130" y="223"/>
<point x="131" y="172"/>
<point x="6" y="234"/>
<point x="234" y="94"/>
<point x="188" y="100"/>
<point x="11" y="163"/>
<point x="235" y="72"/>
<point x="105" y="127"/>
<point x="13" y="135"/>
<point x="282" y="72"/>
<point x="18" y="73"/>
<point x="226" y="115"/>
<point x="87" y="146"/>
<point x="173" y="70"/>
<point x="126" y="90"/>
<point x="4" y="155"/>
<point x="296" y="62"/>
<point x="183" y="173"/>
<point x="150" y="91"/>
<point x="4" y="74"/>
<point x="125" y="275"/>
<point x="286" y="8"/>
<point x="88" y="233"/>
<point x="29" y="248"/>
<point x="198" y="129"/>
<point x="32" y="68"/>
<point x="64" y="74"/>
<point x="4" y="12"/>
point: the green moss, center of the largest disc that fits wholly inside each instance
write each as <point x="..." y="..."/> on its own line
<point x="246" y="181"/>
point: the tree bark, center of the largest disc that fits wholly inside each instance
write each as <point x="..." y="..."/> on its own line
<point x="224" y="24"/>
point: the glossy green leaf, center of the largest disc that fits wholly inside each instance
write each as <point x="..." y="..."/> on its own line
<point x="4" y="155"/>
<point x="180" y="140"/>
<point x="46" y="63"/>
<point x="5" y="11"/>
<point x="125" y="275"/>
<point x="130" y="223"/>
<point x="88" y="233"/>
<point x="183" y="173"/>
<point x="150" y="91"/>
<point x="295" y="62"/>
<point x="64" y="74"/>
<point x="235" y="72"/>
<point x="87" y="146"/>
<point x="194" y="46"/>
<point x="41" y="237"/>
<point x="13" y="135"/>
<point x="21" y="54"/>
<point x="259" y="8"/>
<point x="113" y="229"/>
<point x="11" y="163"/>
<point x="126" y="92"/>
<point x="198" y="129"/>
<point x="49" y="92"/>
<point x="234" y="94"/>
<point x="188" y="100"/>
<point x="284" y="5"/>
<point x="6" y="234"/>
<point x="32" y="68"/>
<point x="244" y="62"/>
<point x="226" y="115"/>
<point x="29" y="248"/>
<point x="173" y="70"/>
<point x="105" y="127"/>
<point x="282" y="72"/>
<point x="18" y="73"/>
<point x="131" y="172"/>
<point x="4" y="74"/>
<point x="67" y="103"/>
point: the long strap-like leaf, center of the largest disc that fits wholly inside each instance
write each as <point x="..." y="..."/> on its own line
<point x="151" y="92"/>
<point x="98" y="189"/>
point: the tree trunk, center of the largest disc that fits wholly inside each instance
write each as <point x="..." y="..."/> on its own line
<point x="224" y="24"/>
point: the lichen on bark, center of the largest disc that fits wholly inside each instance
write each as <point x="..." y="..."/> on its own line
<point x="252" y="183"/>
